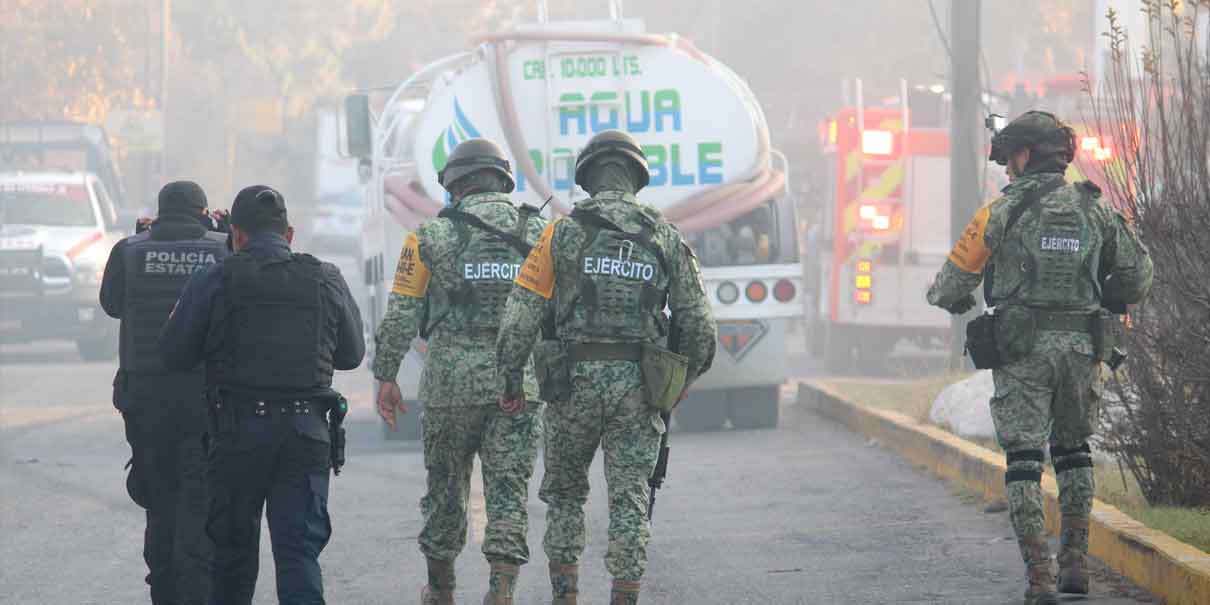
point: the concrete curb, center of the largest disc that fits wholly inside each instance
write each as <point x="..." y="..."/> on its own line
<point x="1167" y="567"/>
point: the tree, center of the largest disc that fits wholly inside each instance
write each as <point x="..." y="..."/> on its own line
<point x="1157" y="110"/>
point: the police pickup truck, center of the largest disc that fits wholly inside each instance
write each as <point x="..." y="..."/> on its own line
<point x="56" y="230"/>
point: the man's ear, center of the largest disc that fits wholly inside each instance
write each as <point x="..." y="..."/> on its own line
<point x="289" y="234"/>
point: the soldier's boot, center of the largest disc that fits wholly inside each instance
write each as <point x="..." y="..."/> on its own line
<point x="1041" y="581"/>
<point x="501" y="583"/>
<point x="1073" y="565"/>
<point x="440" y="589"/>
<point x="624" y="593"/>
<point x="564" y="583"/>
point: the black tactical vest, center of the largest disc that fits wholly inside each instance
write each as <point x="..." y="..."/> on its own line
<point x="158" y="262"/>
<point x="275" y="334"/>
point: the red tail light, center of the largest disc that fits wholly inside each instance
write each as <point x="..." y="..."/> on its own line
<point x="783" y="290"/>
<point x="756" y="291"/>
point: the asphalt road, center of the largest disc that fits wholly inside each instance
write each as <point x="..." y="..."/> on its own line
<point x="807" y="513"/>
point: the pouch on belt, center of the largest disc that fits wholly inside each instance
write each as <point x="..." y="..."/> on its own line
<point x="552" y="368"/>
<point x="664" y="376"/>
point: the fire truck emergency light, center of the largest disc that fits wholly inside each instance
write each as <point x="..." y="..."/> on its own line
<point x="867" y="212"/>
<point x="863" y="281"/>
<point x="882" y="223"/>
<point x="1099" y="150"/>
<point x="877" y="142"/>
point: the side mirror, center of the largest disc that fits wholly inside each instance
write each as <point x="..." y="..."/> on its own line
<point x="357" y="126"/>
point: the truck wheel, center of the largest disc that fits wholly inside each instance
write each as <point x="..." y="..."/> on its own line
<point x="104" y="348"/>
<point x="408" y="425"/>
<point x="702" y="411"/>
<point x="754" y="407"/>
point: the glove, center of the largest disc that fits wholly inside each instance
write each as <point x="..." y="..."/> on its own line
<point x="960" y="306"/>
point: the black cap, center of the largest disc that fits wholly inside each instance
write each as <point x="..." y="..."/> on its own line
<point x="259" y="208"/>
<point x="182" y="197"/>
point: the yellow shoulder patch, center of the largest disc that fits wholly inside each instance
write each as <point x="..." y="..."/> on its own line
<point x="538" y="273"/>
<point x="411" y="276"/>
<point x="970" y="253"/>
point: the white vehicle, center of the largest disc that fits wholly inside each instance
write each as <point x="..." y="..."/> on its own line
<point x="56" y="231"/>
<point x="543" y="91"/>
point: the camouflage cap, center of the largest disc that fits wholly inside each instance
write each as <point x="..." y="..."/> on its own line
<point x="1040" y="132"/>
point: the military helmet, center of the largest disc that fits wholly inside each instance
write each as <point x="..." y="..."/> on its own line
<point x="616" y="143"/>
<point x="1040" y="132"/>
<point x="473" y="155"/>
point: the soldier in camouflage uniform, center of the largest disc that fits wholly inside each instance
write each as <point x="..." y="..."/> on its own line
<point x="1054" y="261"/>
<point x="454" y="275"/>
<point x="606" y="273"/>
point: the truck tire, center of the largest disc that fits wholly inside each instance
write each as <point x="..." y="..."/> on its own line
<point x="104" y="348"/>
<point x="408" y="425"/>
<point x="754" y="407"/>
<point x="702" y="411"/>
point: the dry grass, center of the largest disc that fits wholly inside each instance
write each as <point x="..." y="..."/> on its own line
<point x="914" y="398"/>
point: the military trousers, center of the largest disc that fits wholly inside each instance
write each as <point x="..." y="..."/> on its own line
<point x="1052" y="398"/>
<point x="507" y="447"/>
<point x="279" y="461"/>
<point x="606" y="409"/>
<point x="167" y="478"/>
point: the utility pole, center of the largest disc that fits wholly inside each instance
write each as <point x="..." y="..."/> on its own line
<point x="965" y="141"/>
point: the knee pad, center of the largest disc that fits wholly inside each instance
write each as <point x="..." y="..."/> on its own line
<point x="1013" y="475"/>
<point x="1066" y="459"/>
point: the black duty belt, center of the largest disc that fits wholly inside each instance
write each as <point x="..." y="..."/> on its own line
<point x="1064" y="322"/>
<point x="276" y="407"/>
<point x="605" y="351"/>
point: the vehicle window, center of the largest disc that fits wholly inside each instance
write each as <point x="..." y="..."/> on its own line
<point x="108" y="214"/>
<point x="46" y="204"/>
<point x="750" y="239"/>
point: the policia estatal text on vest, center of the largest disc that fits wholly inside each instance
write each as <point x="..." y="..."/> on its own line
<point x="163" y="409"/>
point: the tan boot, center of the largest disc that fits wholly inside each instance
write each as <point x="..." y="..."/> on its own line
<point x="1073" y="565"/>
<point x="501" y="583"/>
<point x="440" y="589"/>
<point x="564" y="583"/>
<point x="1041" y="582"/>
<point x="624" y="593"/>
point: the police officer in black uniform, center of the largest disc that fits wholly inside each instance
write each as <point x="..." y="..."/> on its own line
<point x="164" y="410"/>
<point x="272" y="326"/>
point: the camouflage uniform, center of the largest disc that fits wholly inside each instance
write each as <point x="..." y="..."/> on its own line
<point x="607" y="406"/>
<point x="461" y="417"/>
<point x="1050" y="392"/>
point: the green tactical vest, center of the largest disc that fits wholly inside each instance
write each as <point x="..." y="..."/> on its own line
<point x="1058" y="248"/>
<point x="487" y="262"/>
<point x="622" y="285"/>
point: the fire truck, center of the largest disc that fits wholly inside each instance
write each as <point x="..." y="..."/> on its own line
<point x="884" y="232"/>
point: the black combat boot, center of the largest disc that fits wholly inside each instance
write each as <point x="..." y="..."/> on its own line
<point x="1073" y="565"/>
<point x="440" y="589"/>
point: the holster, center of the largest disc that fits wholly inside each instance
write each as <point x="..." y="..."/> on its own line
<point x="553" y="370"/>
<point x="664" y="376"/>
<point x="981" y="342"/>
<point x="1106" y="334"/>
